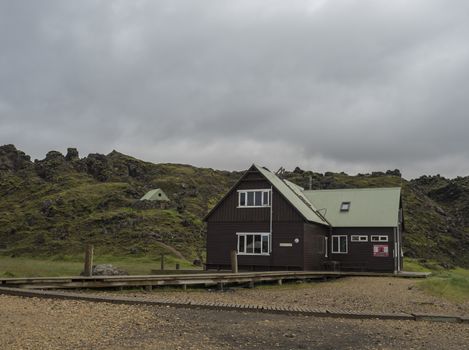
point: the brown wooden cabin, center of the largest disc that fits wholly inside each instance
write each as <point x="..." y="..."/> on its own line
<point x="274" y="224"/>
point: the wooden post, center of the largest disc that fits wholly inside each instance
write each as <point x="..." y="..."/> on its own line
<point x="88" y="269"/>
<point x="177" y="266"/>
<point x="162" y="262"/>
<point x="234" y="261"/>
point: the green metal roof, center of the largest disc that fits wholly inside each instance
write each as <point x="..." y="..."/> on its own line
<point x="294" y="195"/>
<point x="155" y="195"/>
<point x="369" y="207"/>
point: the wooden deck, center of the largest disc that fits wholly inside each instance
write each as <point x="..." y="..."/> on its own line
<point x="184" y="280"/>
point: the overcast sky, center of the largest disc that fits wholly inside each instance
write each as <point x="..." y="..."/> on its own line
<point x="336" y="85"/>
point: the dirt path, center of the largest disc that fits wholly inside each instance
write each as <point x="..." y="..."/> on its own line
<point x="379" y="294"/>
<point x="56" y="324"/>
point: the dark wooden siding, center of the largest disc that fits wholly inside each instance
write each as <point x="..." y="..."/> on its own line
<point x="227" y="220"/>
<point x="401" y="233"/>
<point x="314" y="246"/>
<point x="360" y="254"/>
<point x="222" y="238"/>
<point x="228" y="210"/>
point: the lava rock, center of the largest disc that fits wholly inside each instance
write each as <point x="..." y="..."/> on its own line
<point x="72" y="154"/>
<point x="12" y="159"/>
<point x="99" y="166"/>
<point x="108" y="270"/>
<point x="47" y="208"/>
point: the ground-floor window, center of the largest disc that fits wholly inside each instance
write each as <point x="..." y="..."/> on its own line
<point x="254" y="243"/>
<point x="339" y="244"/>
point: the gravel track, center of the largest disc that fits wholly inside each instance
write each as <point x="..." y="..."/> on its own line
<point x="31" y="323"/>
<point x="378" y="294"/>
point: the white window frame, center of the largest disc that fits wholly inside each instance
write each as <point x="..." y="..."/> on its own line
<point x="338" y="245"/>
<point x="265" y="192"/>
<point x="358" y="238"/>
<point x="379" y="238"/>
<point x="262" y="234"/>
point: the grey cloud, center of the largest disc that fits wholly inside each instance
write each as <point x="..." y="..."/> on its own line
<point x="330" y="85"/>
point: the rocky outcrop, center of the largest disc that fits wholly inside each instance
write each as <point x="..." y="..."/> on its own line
<point x="50" y="167"/>
<point x="72" y="155"/>
<point x="12" y="159"/>
<point x="99" y="166"/>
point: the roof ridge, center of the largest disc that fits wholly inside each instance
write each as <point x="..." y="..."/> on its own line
<point x="356" y="189"/>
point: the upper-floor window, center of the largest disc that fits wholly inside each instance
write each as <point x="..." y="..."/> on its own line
<point x="345" y="206"/>
<point x="254" y="198"/>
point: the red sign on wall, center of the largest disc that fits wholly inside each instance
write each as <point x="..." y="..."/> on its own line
<point x="381" y="250"/>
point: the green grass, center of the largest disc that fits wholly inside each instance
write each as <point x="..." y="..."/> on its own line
<point x="73" y="265"/>
<point x="415" y="265"/>
<point x="451" y="284"/>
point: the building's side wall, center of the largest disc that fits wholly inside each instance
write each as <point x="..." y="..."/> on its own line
<point x="360" y="254"/>
<point x="401" y="233"/>
<point x="228" y="219"/>
<point x="314" y="246"/>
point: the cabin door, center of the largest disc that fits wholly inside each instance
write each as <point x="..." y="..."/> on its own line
<point x="318" y="249"/>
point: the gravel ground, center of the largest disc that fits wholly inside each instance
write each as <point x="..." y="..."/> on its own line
<point x="379" y="294"/>
<point x="30" y="323"/>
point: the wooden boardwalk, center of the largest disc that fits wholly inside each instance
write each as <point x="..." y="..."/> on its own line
<point x="184" y="280"/>
<point x="277" y="309"/>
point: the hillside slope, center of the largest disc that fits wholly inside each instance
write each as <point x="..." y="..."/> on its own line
<point x="56" y="205"/>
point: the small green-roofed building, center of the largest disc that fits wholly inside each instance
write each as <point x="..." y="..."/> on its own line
<point x="156" y="194"/>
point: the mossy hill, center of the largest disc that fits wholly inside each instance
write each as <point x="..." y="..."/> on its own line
<point x="52" y="207"/>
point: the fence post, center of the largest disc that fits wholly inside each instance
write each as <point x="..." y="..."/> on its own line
<point x="88" y="269"/>
<point x="162" y="261"/>
<point x="234" y="261"/>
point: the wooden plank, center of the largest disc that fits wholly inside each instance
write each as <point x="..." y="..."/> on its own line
<point x="234" y="261"/>
<point x="188" y="279"/>
<point x="88" y="268"/>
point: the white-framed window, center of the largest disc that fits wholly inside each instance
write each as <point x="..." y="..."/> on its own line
<point x="379" y="238"/>
<point x="359" y="238"/>
<point x="345" y="206"/>
<point x="254" y="198"/>
<point x="339" y="244"/>
<point x="254" y="243"/>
